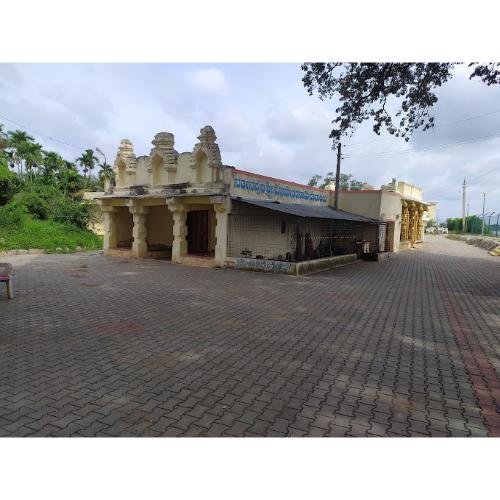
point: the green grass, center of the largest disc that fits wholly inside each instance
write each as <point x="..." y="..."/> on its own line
<point x="49" y="236"/>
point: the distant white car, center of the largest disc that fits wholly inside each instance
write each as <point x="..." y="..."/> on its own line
<point x="443" y="230"/>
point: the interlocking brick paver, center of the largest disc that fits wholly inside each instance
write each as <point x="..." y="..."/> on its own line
<point x="404" y="347"/>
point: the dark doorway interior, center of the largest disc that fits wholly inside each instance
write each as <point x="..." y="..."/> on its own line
<point x="197" y="223"/>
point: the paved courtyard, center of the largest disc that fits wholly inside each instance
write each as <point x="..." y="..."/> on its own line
<point x="101" y="346"/>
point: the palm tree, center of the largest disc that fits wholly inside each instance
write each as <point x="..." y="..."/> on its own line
<point x="69" y="178"/>
<point x="33" y="157"/>
<point x="52" y="163"/>
<point x="3" y="138"/>
<point x="88" y="161"/>
<point x="106" y="173"/>
<point x="19" y="141"/>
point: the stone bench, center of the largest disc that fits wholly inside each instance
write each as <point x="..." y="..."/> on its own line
<point x="6" y="276"/>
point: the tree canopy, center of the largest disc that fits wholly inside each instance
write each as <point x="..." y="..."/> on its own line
<point x="371" y="91"/>
<point x="347" y="182"/>
<point x="33" y="163"/>
<point x="42" y="186"/>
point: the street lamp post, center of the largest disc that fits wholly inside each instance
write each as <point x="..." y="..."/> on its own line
<point x="100" y="152"/>
<point x="105" y="162"/>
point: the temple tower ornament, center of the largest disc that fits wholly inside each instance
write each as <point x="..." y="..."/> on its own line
<point x="164" y="148"/>
<point x="125" y="164"/>
<point x="206" y="155"/>
<point x="163" y="156"/>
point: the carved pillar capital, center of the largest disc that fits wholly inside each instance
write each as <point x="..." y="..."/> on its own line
<point x="176" y="207"/>
<point x="138" y="209"/>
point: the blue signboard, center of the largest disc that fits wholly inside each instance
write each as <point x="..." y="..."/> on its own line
<point x="273" y="189"/>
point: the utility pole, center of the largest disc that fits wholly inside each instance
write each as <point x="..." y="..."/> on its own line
<point x="337" y="176"/>
<point x="498" y="217"/>
<point x="484" y="201"/>
<point x="464" y="223"/>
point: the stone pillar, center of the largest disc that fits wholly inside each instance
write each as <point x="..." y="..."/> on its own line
<point x="420" y="224"/>
<point x="405" y="223"/>
<point x="221" y="219"/>
<point x="109" y="240"/>
<point x="139" y="244"/>
<point x="413" y="225"/>
<point x="179" y="245"/>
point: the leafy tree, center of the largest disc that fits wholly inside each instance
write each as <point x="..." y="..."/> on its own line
<point x="18" y="137"/>
<point x="106" y="173"/>
<point x="69" y="179"/>
<point x="18" y="142"/>
<point x="88" y="161"/>
<point x="355" y="185"/>
<point x="33" y="157"/>
<point x="314" y="180"/>
<point x="473" y="222"/>
<point x="366" y="91"/>
<point x="3" y="139"/>
<point x="52" y="164"/>
<point x="7" y="181"/>
<point x="347" y="182"/>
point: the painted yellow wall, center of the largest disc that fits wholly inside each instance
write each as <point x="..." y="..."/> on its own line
<point x="385" y="205"/>
<point x="390" y="210"/>
<point x="410" y="190"/>
<point x="159" y="225"/>
<point x="361" y="203"/>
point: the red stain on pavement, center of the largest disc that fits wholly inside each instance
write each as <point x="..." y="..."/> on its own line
<point x="483" y="377"/>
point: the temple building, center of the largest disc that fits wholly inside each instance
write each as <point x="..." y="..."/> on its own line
<point x="191" y="208"/>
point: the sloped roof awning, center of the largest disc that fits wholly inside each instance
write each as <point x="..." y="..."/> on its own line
<point x="311" y="211"/>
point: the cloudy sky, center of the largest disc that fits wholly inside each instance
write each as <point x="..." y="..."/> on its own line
<point x="264" y="119"/>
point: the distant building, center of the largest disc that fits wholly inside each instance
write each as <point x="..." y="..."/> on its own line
<point x="431" y="213"/>
<point x="399" y="204"/>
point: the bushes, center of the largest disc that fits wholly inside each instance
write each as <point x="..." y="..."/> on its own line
<point x="39" y="215"/>
<point x="49" y="236"/>
<point x="13" y="215"/>
<point x="76" y="214"/>
<point x="9" y="184"/>
<point x="34" y="203"/>
<point x="48" y="203"/>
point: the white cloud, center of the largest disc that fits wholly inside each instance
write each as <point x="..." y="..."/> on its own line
<point x="209" y="81"/>
<point x="299" y="124"/>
